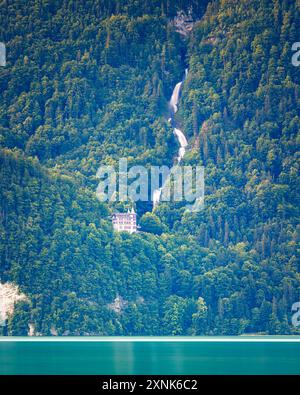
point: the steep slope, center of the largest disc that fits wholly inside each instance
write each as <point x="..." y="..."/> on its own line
<point x="86" y="83"/>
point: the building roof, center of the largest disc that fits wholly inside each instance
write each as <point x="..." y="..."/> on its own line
<point x="130" y="212"/>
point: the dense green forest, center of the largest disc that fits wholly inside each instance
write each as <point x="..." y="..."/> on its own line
<point x="88" y="82"/>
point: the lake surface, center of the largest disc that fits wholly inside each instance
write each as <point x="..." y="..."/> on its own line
<point x="267" y="355"/>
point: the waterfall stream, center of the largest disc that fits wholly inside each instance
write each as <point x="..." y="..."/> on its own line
<point x="173" y="104"/>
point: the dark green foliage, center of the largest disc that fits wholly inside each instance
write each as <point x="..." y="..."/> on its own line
<point x="151" y="223"/>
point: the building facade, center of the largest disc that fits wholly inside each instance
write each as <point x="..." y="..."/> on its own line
<point x="125" y="222"/>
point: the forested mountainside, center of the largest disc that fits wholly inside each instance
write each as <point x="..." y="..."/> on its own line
<point x="87" y="82"/>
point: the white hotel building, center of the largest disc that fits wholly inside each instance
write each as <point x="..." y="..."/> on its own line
<point x="125" y="222"/>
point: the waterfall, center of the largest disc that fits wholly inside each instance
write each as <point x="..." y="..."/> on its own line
<point x="156" y="196"/>
<point x="175" y="97"/>
<point x="183" y="143"/>
<point x="173" y="104"/>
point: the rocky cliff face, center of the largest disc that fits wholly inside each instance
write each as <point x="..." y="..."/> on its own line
<point x="183" y="23"/>
<point x="9" y="295"/>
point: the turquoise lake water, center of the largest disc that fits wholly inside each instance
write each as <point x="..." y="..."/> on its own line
<point x="129" y="356"/>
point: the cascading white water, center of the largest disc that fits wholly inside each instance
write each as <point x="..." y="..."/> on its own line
<point x="175" y="97"/>
<point x="178" y="133"/>
<point x="156" y="196"/>
<point x="183" y="143"/>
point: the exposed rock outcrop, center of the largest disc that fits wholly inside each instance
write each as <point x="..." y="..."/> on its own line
<point x="183" y="23"/>
<point x="118" y="304"/>
<point x="9" y="295"/>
